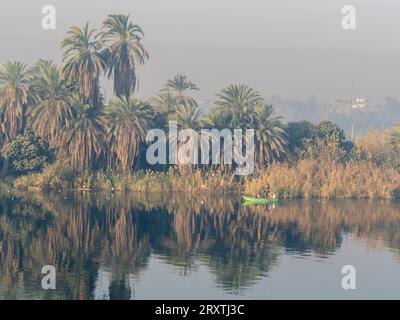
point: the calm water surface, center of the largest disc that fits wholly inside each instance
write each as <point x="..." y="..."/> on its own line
<point x="106" y="246"/>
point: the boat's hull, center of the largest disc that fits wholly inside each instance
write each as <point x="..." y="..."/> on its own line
<point x="251" y="200"/>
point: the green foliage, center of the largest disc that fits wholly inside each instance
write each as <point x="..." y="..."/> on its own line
<point x="123" y="53"/>
<point x="326" y="141"/>
<point x="330" y="132"/>
<point x="15" y="96"/>
<point x="299" y="134"/>
<point x="26" y="153"/>
<point x="270" y="137"/>
<point x="83" y="64"/>
<point x="129" y="120"/>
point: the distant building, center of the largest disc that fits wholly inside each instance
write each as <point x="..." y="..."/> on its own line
<point x="359" y="103"/>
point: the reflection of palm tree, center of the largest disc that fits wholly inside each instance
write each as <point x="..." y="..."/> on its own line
<point x="119" y="290"/>
<point x="87" y="232"/>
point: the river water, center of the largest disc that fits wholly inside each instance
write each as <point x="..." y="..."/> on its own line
<point x="178" y="246"/>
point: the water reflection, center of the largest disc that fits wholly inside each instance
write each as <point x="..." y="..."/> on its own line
<point x="100" y="243"/>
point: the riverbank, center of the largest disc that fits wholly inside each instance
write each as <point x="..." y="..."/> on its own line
<point x="306" y="179"/>
<point x="329" y="180"/>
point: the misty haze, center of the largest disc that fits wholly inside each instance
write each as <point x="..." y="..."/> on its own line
<point x="293" y="52"/>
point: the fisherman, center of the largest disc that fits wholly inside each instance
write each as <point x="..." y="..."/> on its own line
<point x="266" y="194"/>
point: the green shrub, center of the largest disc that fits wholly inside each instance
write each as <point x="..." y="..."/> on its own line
<point x="26" y="153"/>
<point x="330" y="132"/>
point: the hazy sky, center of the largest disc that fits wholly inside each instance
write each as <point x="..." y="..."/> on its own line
<point x="292" y="48"/>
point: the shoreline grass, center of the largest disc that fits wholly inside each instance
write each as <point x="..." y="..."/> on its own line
<point x="310" y="178"/>
<point x="306" y="179"/>
<point x="57" y="177"/>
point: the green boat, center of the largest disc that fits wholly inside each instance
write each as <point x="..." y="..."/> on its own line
<point x="251" y="200"/>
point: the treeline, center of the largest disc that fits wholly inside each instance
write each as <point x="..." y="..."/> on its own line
<point x="55" y="120"/>
<point x="52" y="112"/>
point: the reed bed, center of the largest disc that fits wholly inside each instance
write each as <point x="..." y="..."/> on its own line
<point x="55" y="177"/>
<point x="308" y="178"/>
<point x="330" y="180"/>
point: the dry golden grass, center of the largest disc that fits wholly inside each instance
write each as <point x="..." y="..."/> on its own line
<point x="375" y="147"/>
<point x="308" y="178"/>
<point x="57" y="177"/>
<point x="314" y="178"/>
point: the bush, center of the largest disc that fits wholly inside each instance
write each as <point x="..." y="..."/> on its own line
<point x="299" y="134"/>
<point x="26" y="153"/>
<point x="330" y="132"/>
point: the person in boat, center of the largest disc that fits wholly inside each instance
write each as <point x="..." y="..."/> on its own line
<point x="266" y="194"/>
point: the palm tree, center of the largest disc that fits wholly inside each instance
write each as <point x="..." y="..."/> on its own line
<point x="85" y="140"/>
<point x="124" y="52"/>
<point x="220" y="119"/>
<point x="177" y="87"/>
<point x="240" y="102"/>
<point x="186" y="117"/>
<point x="180" y="84"/>
<point x="53" y="115"/>
<point x="165" y="102"/>
<point x="270" y="140"/>
<point x="242" y="107"/>
<point x="15" y="96"/>
<point x="216" y="119"/>
<point x="83" y="64"/>
<point x="130" y="120"/>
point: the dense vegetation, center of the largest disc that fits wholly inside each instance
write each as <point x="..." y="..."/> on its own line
<point x="56" y="126"/>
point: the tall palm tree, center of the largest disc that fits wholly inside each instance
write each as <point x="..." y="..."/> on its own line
<point x="217" y="119"/>
<point x="178" y="88"/>
<point x="83" y="63"/>
<point x="186" y="117"/>
<point x="85" y="140"/>
<point x="240" y="101"/>
<point x="53" y="115"/>
<point x="15" y="96"/>
<point x="270" y="137"/>
<point x="124" y="52"/>
<point x="180" y="84"/>
<point x="165" y="102"/>
<point x="130" y="120"/>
